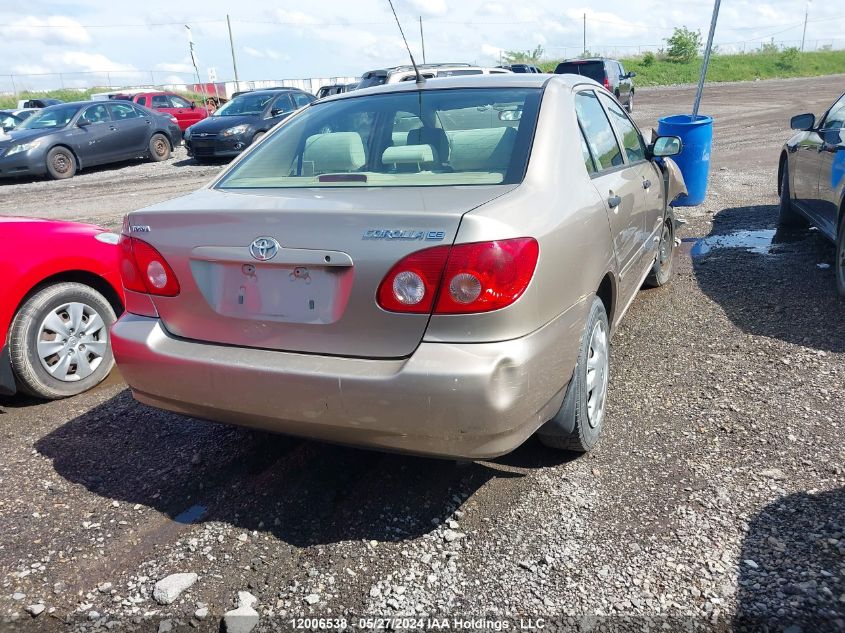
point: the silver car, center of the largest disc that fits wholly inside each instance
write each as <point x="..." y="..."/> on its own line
<point x="433" y="269"/>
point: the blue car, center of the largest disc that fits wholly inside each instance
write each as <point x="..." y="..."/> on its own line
<point x="811" y="179"/>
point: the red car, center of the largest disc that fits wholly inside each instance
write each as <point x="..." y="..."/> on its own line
<point x="186" y="112"/>
<point x="60" y="292"/>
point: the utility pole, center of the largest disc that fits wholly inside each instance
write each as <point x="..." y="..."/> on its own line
<point x="422" y="39"/>
<point x="804" y="34"/>
<point x="232" y="47"/>
<point x="584" y="54"/>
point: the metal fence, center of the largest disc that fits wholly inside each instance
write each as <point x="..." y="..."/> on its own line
<point x="116" y="79"/>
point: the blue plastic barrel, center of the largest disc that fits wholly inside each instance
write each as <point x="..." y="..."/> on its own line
<point x="694" y="159"/>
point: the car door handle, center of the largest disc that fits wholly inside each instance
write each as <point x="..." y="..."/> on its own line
<point x="646" y="184"/>
<point x="149" y="122"/>
<point x="614" y="201"/>
<point x="112" y="128"/>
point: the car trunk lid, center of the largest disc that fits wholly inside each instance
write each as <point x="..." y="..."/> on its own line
<point x="317" y="293"/>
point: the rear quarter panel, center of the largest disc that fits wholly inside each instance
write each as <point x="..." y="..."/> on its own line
<point x="557" y="205"/>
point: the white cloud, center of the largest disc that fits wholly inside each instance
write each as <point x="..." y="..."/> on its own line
<point x="175" y="68"/>
<point x="92" y="62"/>
<point x="30" y="69"/>
<point x="428" y="7"/>
<point x="54" y="29"/>
<point x="265" y="53"/>
<point x="295" y="17"/>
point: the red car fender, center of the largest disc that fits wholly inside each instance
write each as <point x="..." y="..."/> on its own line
<point x="32" y="251"/>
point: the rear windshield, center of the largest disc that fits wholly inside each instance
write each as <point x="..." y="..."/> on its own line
<point x="593" y="70"/>
<point x="404" y="139"/>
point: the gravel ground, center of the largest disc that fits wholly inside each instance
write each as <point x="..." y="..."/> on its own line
<point x="715" y="500"/>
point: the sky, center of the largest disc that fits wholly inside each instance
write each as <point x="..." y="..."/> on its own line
<point x="140" y="43"/>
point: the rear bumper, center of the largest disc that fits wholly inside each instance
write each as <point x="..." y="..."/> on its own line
<point x="453" y="400"/>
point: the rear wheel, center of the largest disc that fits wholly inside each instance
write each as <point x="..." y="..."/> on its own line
<point x="61" y="163"/>
<point x="578" y="423"/>
<point x="788" y="216"/>
<point x="840" y="258"/>
<point x="159" y="148"/>
<point x="664" y="263"/>
<point x="59" y="341"/>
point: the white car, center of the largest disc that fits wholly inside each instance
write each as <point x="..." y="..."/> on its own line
<point x="428" y="71"/>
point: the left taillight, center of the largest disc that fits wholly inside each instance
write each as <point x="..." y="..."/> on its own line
<point x="144" y="269"/>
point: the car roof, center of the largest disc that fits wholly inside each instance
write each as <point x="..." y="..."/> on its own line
<point x="578" y="60"/>
<point x="504" y="80"/>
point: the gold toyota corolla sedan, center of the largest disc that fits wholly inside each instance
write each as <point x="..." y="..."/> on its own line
<point x="429" y="268"/>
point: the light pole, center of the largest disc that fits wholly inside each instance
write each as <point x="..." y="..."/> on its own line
<point x="804" y="34"/>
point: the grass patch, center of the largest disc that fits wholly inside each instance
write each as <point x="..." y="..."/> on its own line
<point x="742" y="67"/>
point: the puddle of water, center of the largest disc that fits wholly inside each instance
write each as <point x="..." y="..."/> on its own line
<point x="751" y="241"/>
<point x="191" y="515"/>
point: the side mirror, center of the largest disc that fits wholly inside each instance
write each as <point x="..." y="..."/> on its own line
<point x="666" y="146"/>
<point x="83" y="122"/>
<point x="277" y="112"/>
<point x="193" y="105"/>
<point x="632" y="74"/>
<point x="803" y="122"/>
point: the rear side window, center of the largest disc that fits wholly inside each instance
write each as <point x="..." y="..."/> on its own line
<point x="597" y="130"/>
<point x="631" y="140"/>
<point x="593" y="70"/>
<point x="585" y="153"/>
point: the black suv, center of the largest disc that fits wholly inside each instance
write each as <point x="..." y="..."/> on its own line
<point x="608" y="72"/>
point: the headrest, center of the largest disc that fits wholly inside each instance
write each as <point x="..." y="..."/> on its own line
<point x="335" y="152"/>
<point x="408" y="154"/>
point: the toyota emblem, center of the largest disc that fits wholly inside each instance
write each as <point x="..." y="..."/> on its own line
<point x="264" y="248"/>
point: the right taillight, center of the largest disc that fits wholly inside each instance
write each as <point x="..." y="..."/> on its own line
<point x="486" y="276"/>
<point x="466" y="278"/>
<point x="143" y="269"/>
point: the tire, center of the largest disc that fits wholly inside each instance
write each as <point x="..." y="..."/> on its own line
<point x="578" y="423"/>
<point x="630" y="106"/>
<point x="56" y="306"/>
<point x="258" y="136"/>
<point x="159" y="148"/>
<point x="61" y="163"/>
<point x="840" y="258"/>
<point x="664" y="263"/>
<point x="788" y="216"/>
